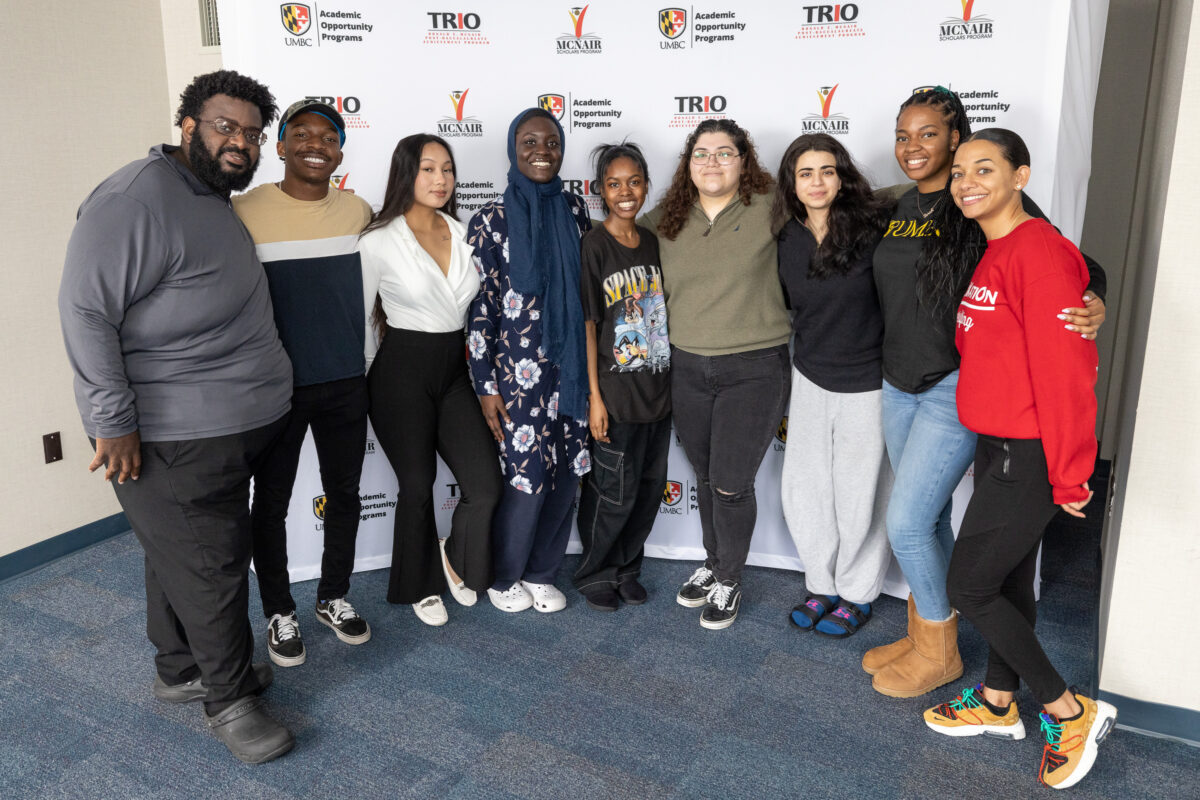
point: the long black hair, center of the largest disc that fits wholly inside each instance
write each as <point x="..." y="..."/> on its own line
<point x="399" y="197"/>
<point x="406" y="162"/>
<point x="949" y="259"/>
<point x="604" y="155"/>
<point x="856" y="217"/>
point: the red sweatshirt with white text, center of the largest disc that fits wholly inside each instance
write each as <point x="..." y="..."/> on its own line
<point x="1023" y="376"/>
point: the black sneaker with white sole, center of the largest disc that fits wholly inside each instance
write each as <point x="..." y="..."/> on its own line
<point x="284" y="645"/>
<point x="345" y="621"/>
<point x="722" y="607"/>
<point x="694" y="592"/>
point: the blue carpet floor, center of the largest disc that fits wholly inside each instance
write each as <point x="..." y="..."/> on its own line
<point x="578" y="705"/>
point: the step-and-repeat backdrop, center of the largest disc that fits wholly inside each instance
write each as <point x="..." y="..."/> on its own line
<point x="628" y="69"/>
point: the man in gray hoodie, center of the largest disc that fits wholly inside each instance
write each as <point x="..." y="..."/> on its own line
<point x="182" y="384"/>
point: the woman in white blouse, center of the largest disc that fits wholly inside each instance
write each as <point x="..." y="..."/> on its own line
<point x="418" y="280"/>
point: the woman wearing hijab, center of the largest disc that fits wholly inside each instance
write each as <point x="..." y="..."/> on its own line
<point x="528" y="359"/>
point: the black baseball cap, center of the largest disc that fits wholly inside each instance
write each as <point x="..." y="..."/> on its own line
<point x="315" y="107"/>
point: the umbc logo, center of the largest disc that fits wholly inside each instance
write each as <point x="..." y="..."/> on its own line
<point x="831" y="22"/>
<point x="577" y="41"/>
<point x="319" y="507"/>
<point x="826" y="122"/>
<point x="556" y="104"/>
<point x="454" y="27"/>
<point x="297" y="18"/>
<point x="672" y="22"/>
<point x="781" y="431"/>
<point x="672" y="493"/>
<point x="459" y="125"/>
<point x="969" y="26"/>
<point x="691" y="110"/>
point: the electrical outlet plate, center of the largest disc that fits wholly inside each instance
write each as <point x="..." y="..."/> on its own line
<point x="52" y="444"/>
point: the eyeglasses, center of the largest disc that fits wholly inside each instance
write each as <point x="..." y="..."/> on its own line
<point x="225" y="127"/>
<point x="723" y="157"/>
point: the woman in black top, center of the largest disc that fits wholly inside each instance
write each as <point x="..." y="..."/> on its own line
<point x="835" y="477"/>
<point x="922" y="265"/>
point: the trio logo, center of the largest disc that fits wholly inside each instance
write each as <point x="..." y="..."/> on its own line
<point x="588" y="189"/>
<point x="349" y="106"/>
<point x="968" y="26"/>
<point x="556" y="104"/>
<point x="831" y="22"/>
<point x="691" y="110"/>
<point x="454" y="27"/>
<point x="577" y="41"/>
<point x="826" y="121"/>
<point x="459" y="125"/>
<point x="297" y="18"/>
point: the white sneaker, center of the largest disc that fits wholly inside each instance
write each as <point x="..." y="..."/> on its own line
<point x="546" y="597"/>
<point x="514" y="598"/>
<point x="431" y="611"/>
<point x="461" y="594"/>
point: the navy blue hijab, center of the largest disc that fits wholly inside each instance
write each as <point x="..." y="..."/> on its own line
<point x="543" y="259"/>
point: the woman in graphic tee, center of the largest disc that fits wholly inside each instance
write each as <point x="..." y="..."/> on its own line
<point x="629" y="401"/>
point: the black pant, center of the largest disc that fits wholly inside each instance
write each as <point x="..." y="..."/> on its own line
<point x="995" y="559"/>
<point x="190" y="510"/>
<point x="337" y="413"/>
<point x="620" y="500"/>
<point x="726" y="410"/>
<point x="423" y="405"/>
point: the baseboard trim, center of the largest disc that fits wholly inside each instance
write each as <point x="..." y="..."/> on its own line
<point x="54" y="548"/>
<point x="1156" y="719"/>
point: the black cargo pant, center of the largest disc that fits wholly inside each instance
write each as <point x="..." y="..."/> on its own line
<point x="190" y="510"/>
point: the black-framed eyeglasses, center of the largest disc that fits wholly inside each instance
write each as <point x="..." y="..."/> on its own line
<point x="723" y="157"/>
<point x="231" y="129"/>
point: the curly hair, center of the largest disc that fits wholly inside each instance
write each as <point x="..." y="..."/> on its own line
<point x="225" y="81"/>
<point x="856" y="217"/>
<point x="682" y="195"/>
<point x="947" y="260"/>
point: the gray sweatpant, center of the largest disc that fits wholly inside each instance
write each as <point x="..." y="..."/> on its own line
<point x="836" y="482"/>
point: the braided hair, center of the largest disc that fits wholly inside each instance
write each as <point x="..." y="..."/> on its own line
<point x="947" y="260"/>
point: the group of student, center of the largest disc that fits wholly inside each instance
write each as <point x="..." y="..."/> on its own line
<point x="928" y="327"/>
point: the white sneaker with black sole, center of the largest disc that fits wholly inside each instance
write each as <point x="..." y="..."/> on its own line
<point x="694" y="592"/>
<point x="722" y="607"/>
<point x="284" y="645"/>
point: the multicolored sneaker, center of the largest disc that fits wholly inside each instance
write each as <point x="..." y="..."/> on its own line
<point x="966" y="715"/>
<point x="1071" y="744"/>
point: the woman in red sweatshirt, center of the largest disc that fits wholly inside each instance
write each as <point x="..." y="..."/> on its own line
<point x="1026" y="387"/>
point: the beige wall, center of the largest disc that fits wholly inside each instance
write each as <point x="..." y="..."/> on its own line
<point x="1151" y="638"/>
<point x="185" y="57"/>
<point x="90" y="99"/>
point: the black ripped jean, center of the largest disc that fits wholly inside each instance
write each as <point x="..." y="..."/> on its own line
<point x="726" y="409"/>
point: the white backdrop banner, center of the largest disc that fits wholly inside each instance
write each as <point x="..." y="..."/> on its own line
<point x="617" y="69"/>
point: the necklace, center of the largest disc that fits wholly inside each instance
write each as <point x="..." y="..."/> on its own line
<point x="925" y="214"/>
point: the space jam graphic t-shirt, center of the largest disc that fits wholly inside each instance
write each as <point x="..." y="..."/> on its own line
<point x="622" y="293"/>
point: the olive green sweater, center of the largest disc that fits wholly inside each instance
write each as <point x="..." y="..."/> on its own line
<point x="721" y="280"/>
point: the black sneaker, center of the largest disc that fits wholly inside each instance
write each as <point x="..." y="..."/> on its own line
<point x="694" y="592"/>
<point x="721" y="609"/>
<point x="345" y="621"/>
<point x="284" y="644"/>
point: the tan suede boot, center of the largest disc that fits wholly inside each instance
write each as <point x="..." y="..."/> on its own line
<point x="933" y="660"/>
<point x="877" y="658"/>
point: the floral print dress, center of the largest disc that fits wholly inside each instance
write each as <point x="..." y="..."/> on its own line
<point x="504" y="342"/>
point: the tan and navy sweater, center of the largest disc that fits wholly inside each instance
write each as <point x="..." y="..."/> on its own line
<point x="308" y="250"/>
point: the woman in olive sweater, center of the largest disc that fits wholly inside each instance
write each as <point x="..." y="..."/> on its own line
<point x="729" y="332"/>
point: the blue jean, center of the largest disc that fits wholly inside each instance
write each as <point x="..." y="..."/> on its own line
<point x="930" y="451"/>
